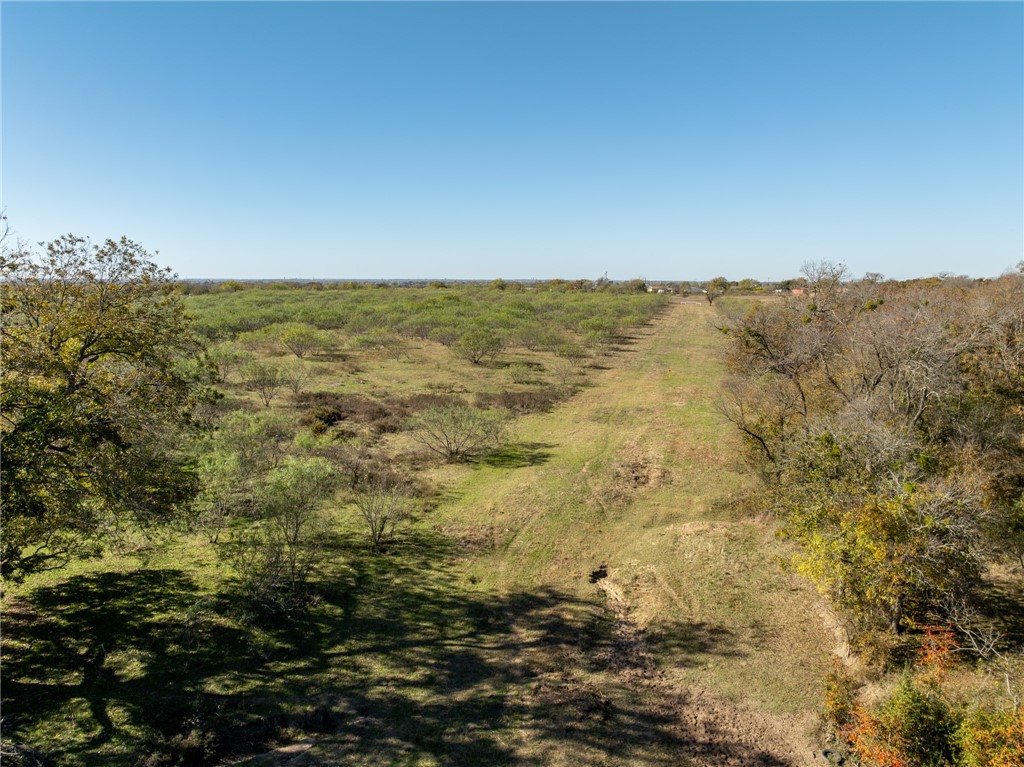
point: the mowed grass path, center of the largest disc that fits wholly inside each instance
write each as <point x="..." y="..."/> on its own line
<point x="487" y="635"/>
<point x="639" y="478"/>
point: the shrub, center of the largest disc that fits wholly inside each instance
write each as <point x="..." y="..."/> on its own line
<point x="257" y="439"/>
<point x="228" y="358"/>
<point x="302" y="339"/>
<point x="380" y="341"/>
<point x="572" y="353"/>
<point x="839" y="699"/>
<point x="295" y="374"/>
<point x="519" y="373"/>
<point x="263" y="378"/>
<point x="530" y="336"/>
<point x="446" y="336"/>
<point x="564" y="370"/>
<point x="332" y="407"/>
<point x="458" y="432"/>
<point x="196" y="746"/>
<point x="992" y="739"/>
<point x="384" y="502"/>
<point x="524" y="402"/>
<point x="477" y="345"/>
<point x="258" y="340"/>
<point x="275" y="557"/>
<point x="220" y="475"/>
<point x="913" y="727"/>
<point x="421" y="401"/>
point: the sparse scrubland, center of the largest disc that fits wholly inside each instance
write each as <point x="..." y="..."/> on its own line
<point x="500" y="524"/>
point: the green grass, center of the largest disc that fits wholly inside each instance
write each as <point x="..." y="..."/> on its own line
<point x="478" y="638"/>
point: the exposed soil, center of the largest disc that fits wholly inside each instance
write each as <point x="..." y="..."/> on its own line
<point x="636" y="469"/>
<point x="718" y="732"/>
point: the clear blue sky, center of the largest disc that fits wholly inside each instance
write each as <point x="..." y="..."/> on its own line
<point x="523" y="140"/>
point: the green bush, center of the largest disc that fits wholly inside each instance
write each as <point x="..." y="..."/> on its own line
<point x="991" y="738"/>
<point x="477" y="345"/>
<point x="913" y="726"/>
<point x="274" y="557"/>
<point x="924" y="723"/>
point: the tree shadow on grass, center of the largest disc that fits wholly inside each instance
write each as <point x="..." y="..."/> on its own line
<point x="330" y="356"/>
<point x="116" y="642"/>
<point x="398" y="661"/>
<point x="518" y="456"/>
<point x="693" y="643"/>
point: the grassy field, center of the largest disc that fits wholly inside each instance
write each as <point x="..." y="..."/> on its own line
<point x="591" y="595"/>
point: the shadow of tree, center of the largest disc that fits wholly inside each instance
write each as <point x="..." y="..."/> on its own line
<point x="86" y="639"/>
<point x="398" y="661"/>
<point x="518" y="456"/>
<point x="1003" y="608"/>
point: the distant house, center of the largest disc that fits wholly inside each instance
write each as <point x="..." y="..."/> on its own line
<point x="659" y="289"/>
<point x="798" y="291"/>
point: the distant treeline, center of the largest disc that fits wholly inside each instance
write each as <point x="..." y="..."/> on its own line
<point x="602" y="285"/>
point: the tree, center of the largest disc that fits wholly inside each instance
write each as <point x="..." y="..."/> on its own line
<point x="890" y="557"/>
<point x="233" y="461"/>
<point x="477" y="345"/>
<point x="563" y="369"/>
<point x="275" y="556"/>
<point x="715" y="288"/>
<point x="220" y="477"/>
<point x="264" y="378"/>
<point x="301" y="338"/>
<point x="383" y="502"/>
<point x="458" y="432"/>
<point x="381" y="342"/>
<point x="824" y="279"/>
<point x="94" y="397"/>
<point x="528" y="335"/>
<point x="887" y="422"/>
<point x="295" y="374"/>
<point x="571" y="352"/>
<point x="228" y="357"/>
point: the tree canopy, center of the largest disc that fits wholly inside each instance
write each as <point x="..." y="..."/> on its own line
<point x="99" y="380"/>
<point x="887" y="423"/>
<point x="715" y="288"/>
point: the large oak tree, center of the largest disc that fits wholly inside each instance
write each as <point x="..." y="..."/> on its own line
<point x="98" y="387"/>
